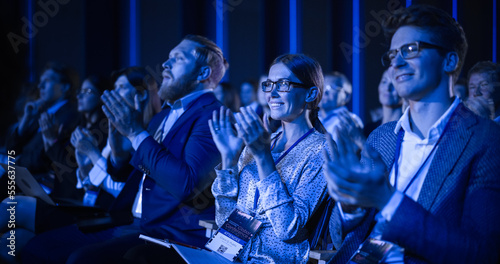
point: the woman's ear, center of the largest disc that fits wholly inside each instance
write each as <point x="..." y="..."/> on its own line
<point x="204" y="74"/>
<point x="451" y="62"/>
<point x="312" y="94"/>
<point x="65" y="90"/>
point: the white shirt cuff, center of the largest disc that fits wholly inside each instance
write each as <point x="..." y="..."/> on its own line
<point x="99" y="172"/>
<point x="393" y="204"/>
<point x="139" y="138"/>
<point x="79" y="184"/>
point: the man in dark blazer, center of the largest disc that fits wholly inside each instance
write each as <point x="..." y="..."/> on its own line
<point x="57" y="102"/>
<point x="174" y="161"/>
<point x="444" y="206"/>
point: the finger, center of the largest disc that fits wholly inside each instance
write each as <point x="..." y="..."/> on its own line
<point x="253" y="125"/>
<point x="212" y="130"/>
<point x="222" y="118"/>
<point x="242" y="124"/>
<point x="267" y="126"/>
<point x="215" y="120"/>
<point x="123" y="104"/>
<point x="110" y="102"/>
<point x="109" y="115"/>
<point x="227" y="118"/>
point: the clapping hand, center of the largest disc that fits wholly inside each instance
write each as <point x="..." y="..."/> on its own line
<point x="253" y="132"/>
<point x="125" y="116"/>
<point x="50" y="128"/>
<point x="353" y="129"/>
<point x="85" y="143"/>
<point x="227" y="141"/>
<point x="351" y="182"/>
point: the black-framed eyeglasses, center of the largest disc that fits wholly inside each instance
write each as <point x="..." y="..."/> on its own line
<point x="87" y="91"/>
<point x="407" y="51"/>
<point x="283" y="85"/>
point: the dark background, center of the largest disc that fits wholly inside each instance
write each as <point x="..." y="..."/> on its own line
<point x="96" y="37"/>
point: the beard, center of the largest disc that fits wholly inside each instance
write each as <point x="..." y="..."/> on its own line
<point x="181" y="87"/>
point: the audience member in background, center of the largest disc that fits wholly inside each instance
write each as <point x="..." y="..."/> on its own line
<point x="338" y="91"/>
<point x="291" y="187"/>
<point x="248" y="93"/>
<point x="57" y="101"/>
<point x="426" y="187"/>
<point x="35" y="215"/>
<point x="460" y="89"/>
<point x="484" y="90"/>
<point x="391" y="109"/>
<point x="261" y="95"/>
<point x="174" y="160"/>
<point x="227" y="95"/>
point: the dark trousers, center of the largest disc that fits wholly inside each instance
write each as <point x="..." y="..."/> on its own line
<point x="70" y="244"/>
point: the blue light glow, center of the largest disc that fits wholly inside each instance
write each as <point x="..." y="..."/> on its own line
<point x="494" y="33"/>
<point x="408" y="3"/>
<point x="31" y="47"/>
<point x="356" y="61"/>
<point x="293" y="26"/>
<point x="455" y="10"/>
<point x="134" y="34"/>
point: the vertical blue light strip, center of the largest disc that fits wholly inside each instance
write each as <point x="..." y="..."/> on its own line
<point x="408" y="3"/>
<point x="31" y="46"/>
<point x="293" y="26"/>
<point x="356" y="60"/>
<point x="495" y="23"/>
<point x="219" y="24"/>
<point x="133" y="34"/>
<point x="455" y="10"/>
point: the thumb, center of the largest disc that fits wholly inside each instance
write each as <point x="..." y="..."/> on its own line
<point x="140" y="101"/>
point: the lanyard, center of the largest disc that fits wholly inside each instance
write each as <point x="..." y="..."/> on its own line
<point x="257" y="195"/>
<point x="396" y="158"/>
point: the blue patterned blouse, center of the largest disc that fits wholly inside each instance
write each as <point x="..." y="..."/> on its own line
<point x="288" y="198"/>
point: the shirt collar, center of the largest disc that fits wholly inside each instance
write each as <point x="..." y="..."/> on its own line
<point x="56" y="107"/>
<point x="436" y="130"/>
<point x="185" y="101"/>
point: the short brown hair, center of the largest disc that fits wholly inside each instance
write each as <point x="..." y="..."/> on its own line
<point x="445" y="30"/>
<point x="210" y="54"/>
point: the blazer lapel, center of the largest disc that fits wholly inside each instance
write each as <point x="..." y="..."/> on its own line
<point x="196" y="106"/>
<point x="452" y="144"/>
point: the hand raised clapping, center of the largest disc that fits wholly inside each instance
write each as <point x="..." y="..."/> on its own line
<point x="353" y="183"/>
<point x="251" y="129"/>
<point x="227" y="141"/>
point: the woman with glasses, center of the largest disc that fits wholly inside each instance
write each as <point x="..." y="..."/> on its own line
<point x="277" y="178"/>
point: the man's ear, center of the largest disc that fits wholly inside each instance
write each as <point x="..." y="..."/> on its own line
<point x="312" y="94"/>
<point x="204" y="73"/>
<point x="451" y="61"/>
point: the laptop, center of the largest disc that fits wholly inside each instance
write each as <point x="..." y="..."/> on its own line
<point x="29" y="186"/>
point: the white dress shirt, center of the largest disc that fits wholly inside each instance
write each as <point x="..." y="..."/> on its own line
<point x="177" y="109"/>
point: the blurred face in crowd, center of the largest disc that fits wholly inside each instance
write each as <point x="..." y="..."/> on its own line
<point x="88" y="97"/>
<point x="481" y="85"/>
<point x="51" y="88"/>
<point x="332" y="96"/>
<point x="387" y="95"/>
<point x="125" y="88"/>
<point x="180" y="72"/>
<point x="416" y="78"/>
<point x="219" y="93"/>
<point x="247" y="94"/>
<point x="285" y="106"/>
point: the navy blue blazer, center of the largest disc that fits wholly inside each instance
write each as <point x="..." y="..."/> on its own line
<point x="456" y="216"/>
<point x="180" y="170"/>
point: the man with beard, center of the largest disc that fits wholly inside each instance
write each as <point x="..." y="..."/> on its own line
<point x="174" y="163"/>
